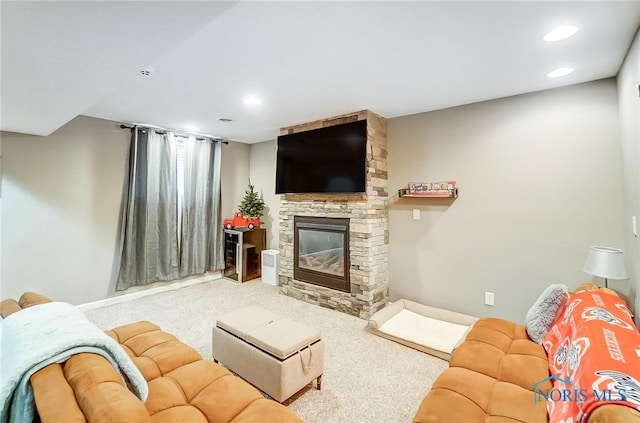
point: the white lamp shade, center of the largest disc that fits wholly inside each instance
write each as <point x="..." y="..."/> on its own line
<point x="605" y="262"/>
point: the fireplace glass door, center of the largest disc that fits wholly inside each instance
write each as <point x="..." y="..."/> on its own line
<point x="321" y="251"/>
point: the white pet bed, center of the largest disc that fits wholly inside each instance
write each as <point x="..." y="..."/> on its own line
<point x="428" y="329"/>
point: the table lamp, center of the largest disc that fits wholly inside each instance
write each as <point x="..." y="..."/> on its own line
<point x="605" y="262"/>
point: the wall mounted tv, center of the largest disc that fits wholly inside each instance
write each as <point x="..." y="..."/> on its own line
<point x="325" y="160"/>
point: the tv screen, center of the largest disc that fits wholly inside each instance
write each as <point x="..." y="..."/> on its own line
<point x="325" y="160"/>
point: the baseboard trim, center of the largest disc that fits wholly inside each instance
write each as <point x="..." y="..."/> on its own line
<point x="150" y="291"/>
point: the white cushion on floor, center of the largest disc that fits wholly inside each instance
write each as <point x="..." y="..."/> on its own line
<point x="432" y="333"/>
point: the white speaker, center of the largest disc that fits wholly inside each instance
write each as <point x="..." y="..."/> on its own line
<point x="270" y="267"/>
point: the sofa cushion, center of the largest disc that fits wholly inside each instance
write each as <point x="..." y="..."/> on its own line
<point x="154" y="351"/>
<point x="502" y="350"/>
<point x="462" y="395"/>
<point x="490" y="378"/>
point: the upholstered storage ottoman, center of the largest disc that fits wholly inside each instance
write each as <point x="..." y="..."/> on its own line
<point x="277" y="355"/>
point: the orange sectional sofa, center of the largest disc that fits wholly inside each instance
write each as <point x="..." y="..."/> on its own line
<point x="491" y="378"/>
<point x="182" y="386"/>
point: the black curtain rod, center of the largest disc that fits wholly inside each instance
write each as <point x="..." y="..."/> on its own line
<point x="160" y="131"/>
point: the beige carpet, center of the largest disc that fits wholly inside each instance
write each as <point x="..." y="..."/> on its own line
<point x="366" y="378"/>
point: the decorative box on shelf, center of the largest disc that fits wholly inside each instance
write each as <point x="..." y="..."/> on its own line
<point x="445" y="189"/>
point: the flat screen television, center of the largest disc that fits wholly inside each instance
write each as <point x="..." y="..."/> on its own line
<point x="324" y="160"/>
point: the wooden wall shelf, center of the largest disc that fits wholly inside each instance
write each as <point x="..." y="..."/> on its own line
<point x="404" y="193"/>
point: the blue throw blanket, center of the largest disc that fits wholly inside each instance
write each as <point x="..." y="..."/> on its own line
<point x="37" y="336"/>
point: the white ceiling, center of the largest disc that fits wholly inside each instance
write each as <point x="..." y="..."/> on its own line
<point x="307" y="60"/>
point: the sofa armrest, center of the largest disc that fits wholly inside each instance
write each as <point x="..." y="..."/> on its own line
<point x="612" y="413"/>
<point x="8" y="307"/>
<point x="86" y="388"/>
<point x="55" y="400"/>
<point x="28" y="299"/>
<point x="101" y="392"/>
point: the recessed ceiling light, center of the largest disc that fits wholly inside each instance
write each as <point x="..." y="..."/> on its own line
<point x="556" y="73"/>
<point x="252" y="100"/>
<point x="561" y="32"/>
<point x="225" y="120"/>
<point x="191" y="127"/>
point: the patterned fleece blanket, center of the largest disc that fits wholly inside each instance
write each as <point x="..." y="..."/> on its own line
<point x="594" y="357"/>
<point x="37" y="336"/>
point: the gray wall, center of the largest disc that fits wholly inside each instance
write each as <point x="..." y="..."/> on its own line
<point x="60" y="215"/>
<point x="540" y="182"/>
<point x="62" y="202"/>
<point x="629" y="107"/>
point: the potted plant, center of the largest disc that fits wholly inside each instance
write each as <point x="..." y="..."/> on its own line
<point x="252" y="207"/>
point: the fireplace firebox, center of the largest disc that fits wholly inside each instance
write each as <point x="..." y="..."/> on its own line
<point x="321" y="251"/>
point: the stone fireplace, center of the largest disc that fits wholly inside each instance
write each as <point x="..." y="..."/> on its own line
<point x="334" y="247"/>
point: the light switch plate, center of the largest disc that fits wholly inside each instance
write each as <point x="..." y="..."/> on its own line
<point x="634" y="225"/>
<point x="416" y="214"/>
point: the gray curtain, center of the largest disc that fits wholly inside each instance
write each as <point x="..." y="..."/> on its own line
<point x="163" y="238"/>
<point x="150" y="241"/>
<point x="201" y="229"/>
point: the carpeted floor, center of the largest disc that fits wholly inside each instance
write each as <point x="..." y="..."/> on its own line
<point x="366" y="378"/>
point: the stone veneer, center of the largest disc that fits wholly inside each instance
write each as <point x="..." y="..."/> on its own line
<point x="368" y="231"/>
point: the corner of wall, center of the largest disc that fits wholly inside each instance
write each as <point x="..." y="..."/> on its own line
<point x="234" y="176"/>
<point x="629" y="114"/>
<point x="262" y="171"/>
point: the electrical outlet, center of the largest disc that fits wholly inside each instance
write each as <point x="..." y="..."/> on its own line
<point x="416" y="214"/>
<point x="489" y="298"/>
